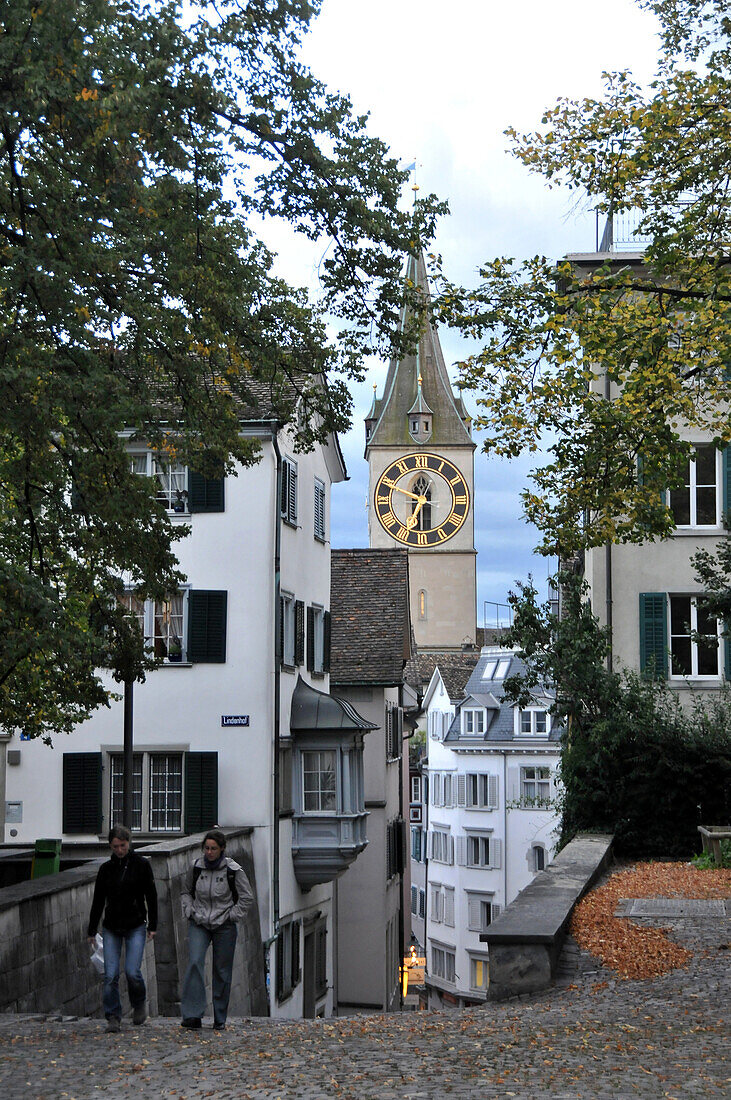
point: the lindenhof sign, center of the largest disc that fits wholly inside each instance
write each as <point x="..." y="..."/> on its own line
<point x="234" y="719"/>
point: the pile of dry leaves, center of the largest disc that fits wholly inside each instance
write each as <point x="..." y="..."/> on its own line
<point x="635" y="951"/>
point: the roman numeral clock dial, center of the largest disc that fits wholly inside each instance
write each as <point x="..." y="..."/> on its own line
<point x="421" y="500"/>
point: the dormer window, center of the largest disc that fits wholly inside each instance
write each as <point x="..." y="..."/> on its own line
<point x="533" y="722"/>
<point x="473" y="722"/>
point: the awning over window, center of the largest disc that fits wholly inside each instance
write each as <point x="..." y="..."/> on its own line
<point x="315" y="710"/>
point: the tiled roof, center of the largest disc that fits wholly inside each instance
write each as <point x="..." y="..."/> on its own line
<point x="370" y="619"/>
<point x="455" y="669"/>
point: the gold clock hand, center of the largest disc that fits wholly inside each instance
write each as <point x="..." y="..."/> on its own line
<point x="414" y="496"/>
<point x="411" y="521"/>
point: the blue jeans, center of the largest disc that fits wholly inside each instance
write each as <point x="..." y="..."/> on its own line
<point x="193" y="998"/>
<point x="134" y="948"/>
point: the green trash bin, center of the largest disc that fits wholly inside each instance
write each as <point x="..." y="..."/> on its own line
<point x="46" y="858"/>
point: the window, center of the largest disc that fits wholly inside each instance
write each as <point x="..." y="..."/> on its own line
<point x="416" y="788"/>
<point x="693" y="656"/>
<point x="538" y="857"/>
<point x="478" y="849"/>
<point x="443" y="964"/>
<point x="533" y="722"/>
<point x="288" y="958"/>
<point x="318" y="640"/>
<point x="394" y="731"/>
<point x="292" y="630"/>
<point x="422" y="603"/>
<point x="395" y="847"/>
<point x="157" y="806"/>
<point x="473" y="723"/>
<point x="480" y="791"/>
<point x="319" y="510"/>
<point x="417" y="844"/>
<point x="439" y="723"/>
<point x="478" y="973"/>
<point x="171" y="478"/>
<point x="162" y="622"/>
<point x="422" y="903"/>
<point x="422" y="488"/>
<point x="481" y="911"/>
<point x="496" y="669"/>
<point x="442" y="904"/>
<point x="288" y="501"/>
<point x="442" y="846"/>
<point x="535" y="786"/>
<point x="696" y="504"/>
<point x="319" y="793"/>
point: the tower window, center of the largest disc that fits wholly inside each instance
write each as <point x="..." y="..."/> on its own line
<point x="422" y="488"/>
<point x="422" y="603"/>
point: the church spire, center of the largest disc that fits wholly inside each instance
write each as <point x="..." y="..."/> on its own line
<point x="418" y="404"/>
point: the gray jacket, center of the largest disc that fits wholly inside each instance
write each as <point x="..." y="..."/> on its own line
<point x="210" y="903"/>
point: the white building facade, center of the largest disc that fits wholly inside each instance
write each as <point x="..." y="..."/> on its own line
<point x="490" y="820"/>
<point x="243" y="642"/>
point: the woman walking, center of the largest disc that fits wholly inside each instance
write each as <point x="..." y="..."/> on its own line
<point x="216" y="895"/>
<point x="125" y="885"/>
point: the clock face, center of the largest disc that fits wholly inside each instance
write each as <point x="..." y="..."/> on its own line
<point x="422" y="499"/>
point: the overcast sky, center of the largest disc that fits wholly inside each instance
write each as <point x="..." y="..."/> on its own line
<point x="442" y="81"/>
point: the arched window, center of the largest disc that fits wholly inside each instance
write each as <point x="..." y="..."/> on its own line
<point x="422" y="487"/>
<point x="539" y="857"/>
<point x="421" y="601"/>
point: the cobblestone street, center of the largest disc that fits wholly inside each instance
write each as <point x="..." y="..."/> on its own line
<point x="591" y="1036"/>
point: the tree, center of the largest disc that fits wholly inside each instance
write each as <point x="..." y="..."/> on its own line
<point x="142" y="142"/>
<point x="658" y="328"/>
<point x="634" y="762"/>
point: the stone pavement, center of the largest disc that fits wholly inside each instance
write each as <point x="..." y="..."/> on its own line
<point x="591" y="1036"/>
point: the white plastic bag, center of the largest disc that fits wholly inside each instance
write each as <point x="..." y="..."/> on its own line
<point x="97" y="955"/>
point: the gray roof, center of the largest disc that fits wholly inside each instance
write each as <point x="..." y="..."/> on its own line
<point x="370" y="617"/>
<point x="389" y="415"/>
<point x="315" y="710"/>
<point x="489" y="693"/>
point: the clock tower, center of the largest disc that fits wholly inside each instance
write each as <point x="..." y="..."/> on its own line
<point x="421" y="476"/>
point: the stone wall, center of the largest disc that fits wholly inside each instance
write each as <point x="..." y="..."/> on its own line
<point x="44" y="954"/>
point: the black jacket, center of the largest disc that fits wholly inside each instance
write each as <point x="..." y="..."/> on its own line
<point x="128" y="889"/>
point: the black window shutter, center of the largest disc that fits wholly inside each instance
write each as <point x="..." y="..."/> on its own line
<point x="204" y="494"/>
<point x="280" y="964"/>
<point x="82" y="792"/>
<point x="207" y="627"/>
<point x="201" y="791"/>
<point x="310" y="638"/>
<point x="281" y="630"/>
<point x="326" y="643"/>
<point x="299" y="632"/>
<point x="295" y="952"/>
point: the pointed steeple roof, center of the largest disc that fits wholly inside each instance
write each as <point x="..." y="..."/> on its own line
<point x="420" y="379"/>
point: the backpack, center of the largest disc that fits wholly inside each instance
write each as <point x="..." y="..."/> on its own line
<point x="230" y="875"/>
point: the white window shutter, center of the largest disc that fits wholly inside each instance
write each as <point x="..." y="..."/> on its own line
<point x="292" y="492"/>
<point x="462" y="851"/>
<point x="436" y="789"/>
<point x="496" y="853"/>
<point x="445" y="724"/>
<point x="451" y="850"/>
<point x="461" y="790"/>
<point x="492" y="792"/>
<point x="473" y="913"/>
<point x="449" y="907"/>
<point x="429" y="845"/>
<point x="514" y="785"/>
<point x="436" y="913"/>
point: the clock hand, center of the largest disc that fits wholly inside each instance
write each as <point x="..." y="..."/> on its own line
<point x="411" y="521"/>
<point x="414" y="496"/>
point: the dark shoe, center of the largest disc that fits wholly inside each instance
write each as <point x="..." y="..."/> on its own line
<point x="219" y="1026"/>
<point x="113" y="1023"/>
<point x="191" y="1021"/>
<point x="139" y="1014"/>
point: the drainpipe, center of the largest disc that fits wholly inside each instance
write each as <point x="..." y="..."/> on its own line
<point x="608" y="556"/>
<point x="274" y="427"/>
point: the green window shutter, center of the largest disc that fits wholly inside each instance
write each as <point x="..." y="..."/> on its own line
<point x="326" y="643"/>
<point x="299" y="632"/>
<point x="207" y="627"/>
<point x="205" y="494"/>
<point x="201" y="791"/>
<point x="653" y="634"/>
<point x="82" y="792"/>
